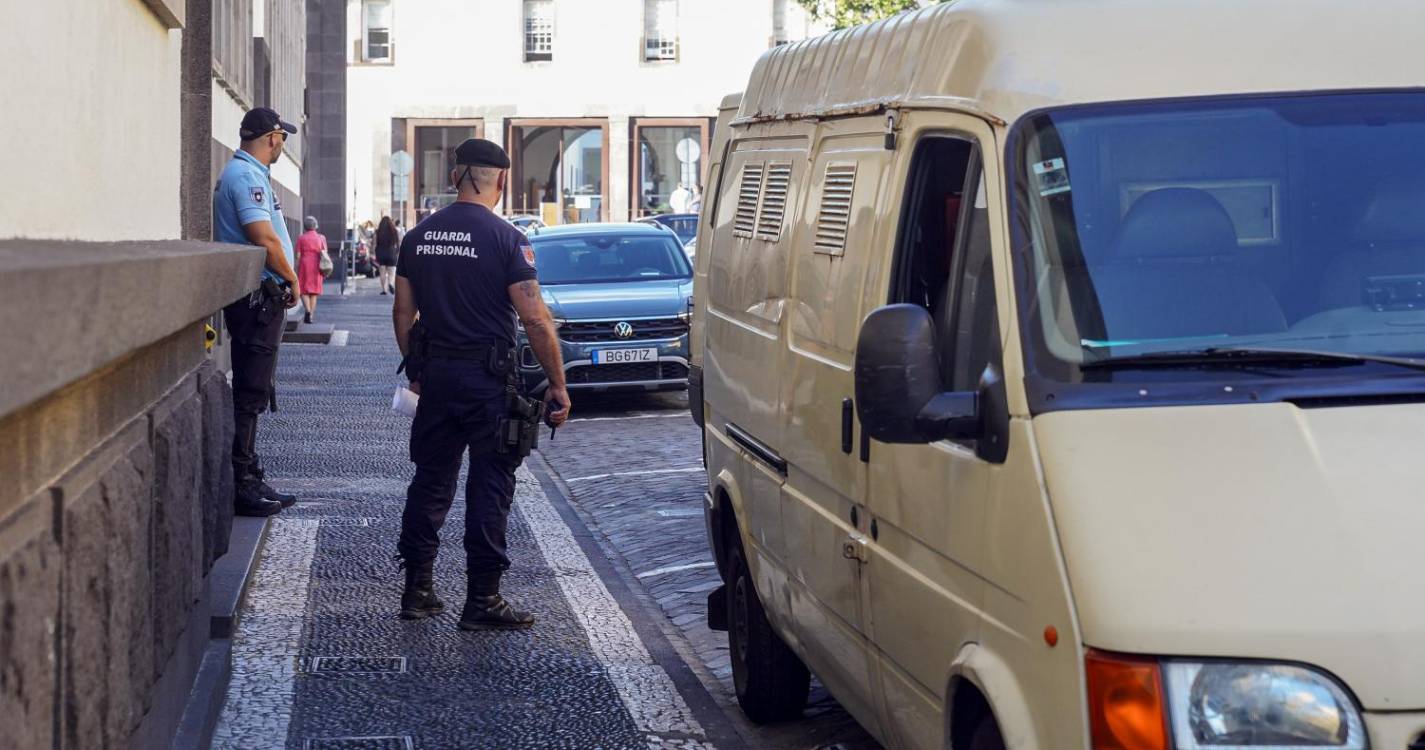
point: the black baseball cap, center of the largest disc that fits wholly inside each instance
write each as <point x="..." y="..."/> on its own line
<point x="478" y="152"/>
<point x="261" y="121"/>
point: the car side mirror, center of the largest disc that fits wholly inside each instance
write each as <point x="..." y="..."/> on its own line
<point x="898" y="395"/>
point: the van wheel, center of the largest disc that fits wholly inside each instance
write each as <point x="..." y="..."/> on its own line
<point x="771" y="682"/>
<point x="986" y="736"/>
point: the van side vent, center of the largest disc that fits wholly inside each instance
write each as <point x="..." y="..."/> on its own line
<point x="745" y="222"/>
<point x="774" y="202"/>
<point x="834" y="219"/>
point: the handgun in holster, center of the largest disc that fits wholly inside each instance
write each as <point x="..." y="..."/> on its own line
<point x="518" y="431"/>
<point x="417" y="353"/>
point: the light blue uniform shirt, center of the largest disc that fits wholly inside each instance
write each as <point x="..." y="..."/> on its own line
<point x="245" y="195"/>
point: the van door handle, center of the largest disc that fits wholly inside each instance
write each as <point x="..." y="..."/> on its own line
<point x="848" y="410"/>
<point x="854" y="548"/>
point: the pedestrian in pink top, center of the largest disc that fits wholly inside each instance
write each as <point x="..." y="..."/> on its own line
<point x="309" y="266"/>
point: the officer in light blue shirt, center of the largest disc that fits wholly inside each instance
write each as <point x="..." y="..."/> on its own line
<point x="247" y="211"/>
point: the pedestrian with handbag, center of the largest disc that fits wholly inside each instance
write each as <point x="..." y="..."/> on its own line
<point x="313" y="266"/>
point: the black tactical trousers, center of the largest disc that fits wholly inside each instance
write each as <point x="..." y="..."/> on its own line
<point x="460" y="403"/>
<point x="256" y="332"/>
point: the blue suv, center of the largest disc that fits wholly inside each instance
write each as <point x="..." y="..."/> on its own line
<point x="621" y="296"/>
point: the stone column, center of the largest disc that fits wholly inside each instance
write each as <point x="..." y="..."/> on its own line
<point x="196" y="107"/>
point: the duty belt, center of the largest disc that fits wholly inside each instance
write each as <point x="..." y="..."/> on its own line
<point x="477" y="353"/>
<point x="499" y="360"/>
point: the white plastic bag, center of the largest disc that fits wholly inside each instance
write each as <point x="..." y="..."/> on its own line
<point x="404" y="402"/>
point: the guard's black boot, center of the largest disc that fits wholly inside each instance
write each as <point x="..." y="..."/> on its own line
<point x="282" y="498"/>
<point x="485" y="609"/>
<point x="266" y="490"/>
<point x="250" y="502"/>
<point x="419" y="601"/>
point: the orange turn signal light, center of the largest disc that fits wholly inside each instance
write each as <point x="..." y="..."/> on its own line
<point x="1126" y="706"/>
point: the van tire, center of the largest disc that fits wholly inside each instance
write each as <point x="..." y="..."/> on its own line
<point x="987" y="736"/>
<point x="771" y="682"/>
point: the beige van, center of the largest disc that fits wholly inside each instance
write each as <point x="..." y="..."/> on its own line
<point x="1061" y="365"/>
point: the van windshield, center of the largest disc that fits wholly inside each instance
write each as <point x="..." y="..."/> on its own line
<point x="606" y="258"/>
<point x="1186" y="229"/>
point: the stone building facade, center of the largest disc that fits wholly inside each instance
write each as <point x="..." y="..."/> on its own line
<point x="116" y="417"/>
<point x="605" y="107"/>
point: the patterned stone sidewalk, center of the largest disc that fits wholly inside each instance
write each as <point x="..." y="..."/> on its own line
<point x="322" y="661"/>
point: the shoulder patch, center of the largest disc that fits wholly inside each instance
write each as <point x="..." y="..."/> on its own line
<point x="528" y="251"/>
<point x="258" y="196"/>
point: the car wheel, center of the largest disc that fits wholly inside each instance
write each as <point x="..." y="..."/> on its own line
<point x="986" y="736"/>
<point x="771" y="682"/>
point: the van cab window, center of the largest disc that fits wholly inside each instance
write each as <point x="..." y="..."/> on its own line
<point x="1182" y="241"/>
<point x="943" y="260"/>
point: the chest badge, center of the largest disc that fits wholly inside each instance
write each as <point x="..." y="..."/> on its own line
<point x="623" y="331"/>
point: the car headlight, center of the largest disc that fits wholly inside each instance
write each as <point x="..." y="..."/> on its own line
<point x="1244" y="705"/>
<point x="559" y="323"/>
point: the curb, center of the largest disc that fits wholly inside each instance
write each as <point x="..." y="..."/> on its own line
<point x="666" y="648"/>
<point x="227" y="587"/>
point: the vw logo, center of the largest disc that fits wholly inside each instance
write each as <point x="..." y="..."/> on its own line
<point x="623" y="331"/>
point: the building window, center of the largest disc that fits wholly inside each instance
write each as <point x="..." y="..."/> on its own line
<point x="434" y="159"/>
<point x="669" y="166"/>
<point x="781" y="33"/>
<point x="538" y="30"/>
<point x="376" y="31"/>
<point x="559" y="169"/>
<point x="660" y="30"/>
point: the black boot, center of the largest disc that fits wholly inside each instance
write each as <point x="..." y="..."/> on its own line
<point x="308" y="319"/>
<point x="268" y="492"/>
<point x="250" y="502"/>
<point x="485" y="609"/>
<point x="419" y="601"/>
<point x="284" y="499"/>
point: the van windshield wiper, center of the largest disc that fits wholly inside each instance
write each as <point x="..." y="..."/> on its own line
<point x="1247" y="357"/>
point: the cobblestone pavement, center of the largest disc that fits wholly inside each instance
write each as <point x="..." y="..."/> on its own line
<point x="621" y="657"/>
<point x="632" y="466"/>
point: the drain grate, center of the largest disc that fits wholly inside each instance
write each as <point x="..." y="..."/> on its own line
<point x="360" y="743"/>
<point x="348" y="665"/>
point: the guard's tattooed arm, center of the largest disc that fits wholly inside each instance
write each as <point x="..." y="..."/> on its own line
<point x="539" y="326"/>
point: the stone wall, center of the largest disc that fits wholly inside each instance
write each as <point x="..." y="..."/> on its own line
<point x="115" y="499"/>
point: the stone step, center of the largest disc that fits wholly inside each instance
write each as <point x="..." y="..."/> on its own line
<point x="232" y="572"/>
<point x="315" y="333"/>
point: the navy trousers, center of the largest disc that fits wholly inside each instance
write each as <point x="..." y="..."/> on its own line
<point x="256" y="332"/>
<point x="460" y="403"/>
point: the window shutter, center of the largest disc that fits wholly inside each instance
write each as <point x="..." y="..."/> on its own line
<point x="833" y="221"/>
<point x="750" y="190"/>
<point x="774" y="202"/>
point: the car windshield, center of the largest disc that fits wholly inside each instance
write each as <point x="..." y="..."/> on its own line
<point x="603" y="258"/>
<point x="1200" y="226"/>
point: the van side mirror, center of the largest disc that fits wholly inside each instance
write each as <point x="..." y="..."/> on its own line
<point x="898" y="396"/>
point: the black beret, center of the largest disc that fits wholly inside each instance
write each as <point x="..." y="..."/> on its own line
<point x="478" y="152"/>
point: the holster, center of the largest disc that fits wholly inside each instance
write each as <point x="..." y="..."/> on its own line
<point x="517" y="433"/>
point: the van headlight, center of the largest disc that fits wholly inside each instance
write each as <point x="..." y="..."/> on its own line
<point x="1229" y="705"/>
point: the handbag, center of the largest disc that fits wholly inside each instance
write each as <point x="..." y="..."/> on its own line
<point x="325" y="264"/>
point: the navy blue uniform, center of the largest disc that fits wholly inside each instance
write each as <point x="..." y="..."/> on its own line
<point x="460" y="263"/>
